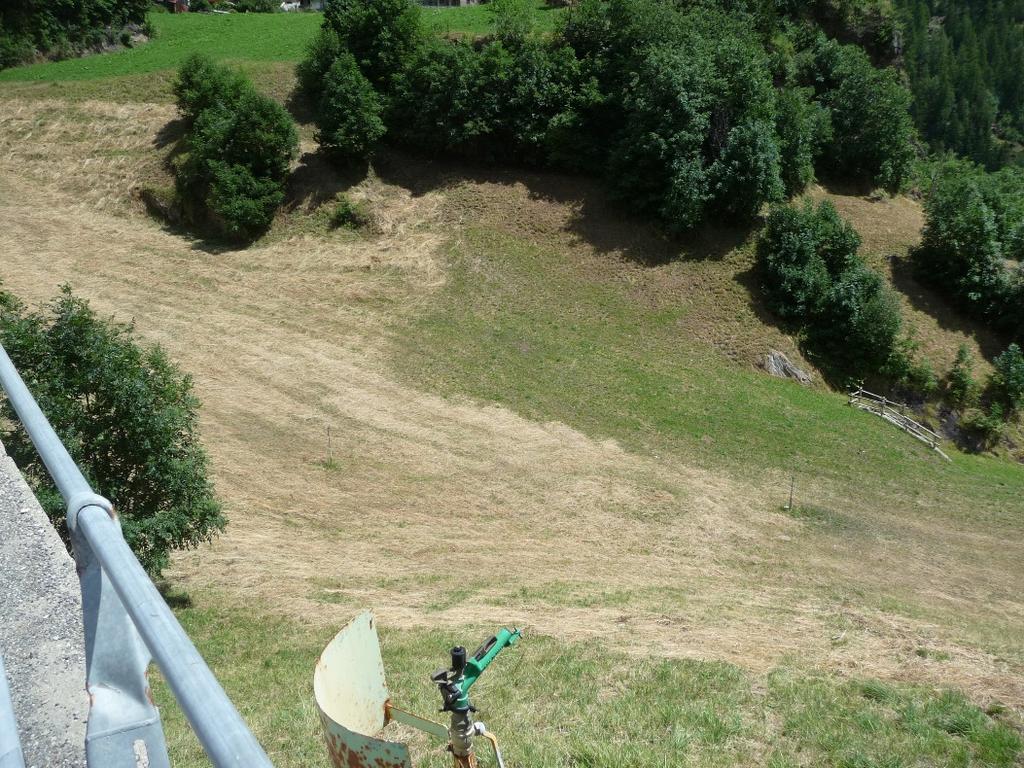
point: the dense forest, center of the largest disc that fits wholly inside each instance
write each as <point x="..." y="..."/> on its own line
<point x="965" y="62"/>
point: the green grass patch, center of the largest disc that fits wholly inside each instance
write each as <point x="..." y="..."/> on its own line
<point x="871" y="724"/>
<point x="527" y="327"/>
<point x="237" y="38"/>
<point x="822" y="517"/>
<point x="262" y="37"/>
<point x="554" y="703"/>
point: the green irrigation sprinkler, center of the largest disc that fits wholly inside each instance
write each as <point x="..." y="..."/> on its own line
<point x="355" y="704"/>
<point x="454" y="684"/>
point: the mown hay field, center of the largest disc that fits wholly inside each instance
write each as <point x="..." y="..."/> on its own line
<point x="545" y="413"/>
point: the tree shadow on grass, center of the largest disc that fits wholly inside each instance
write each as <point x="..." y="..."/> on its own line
<point x="171" y="132"/>
<point x="300" y="107"/>
<point x="862" y="187"/>
<point x="317" y="180"/>
<point x="932" y="303"/>
<point x="174" y="596"/>
<point x="595" y="217"/>
<point x="172" y="135"/>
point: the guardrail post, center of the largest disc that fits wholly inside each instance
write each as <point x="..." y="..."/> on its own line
<point x="124" y="725"/>
<point x="10" y="747"/>
<point x="126" y="619"/>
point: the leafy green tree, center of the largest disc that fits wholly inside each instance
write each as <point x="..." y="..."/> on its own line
<point x="837" y="240"/>
<point x="524" y="94"/>
<point x="238" y="153"/>
<point x="1004" y="194"/>
<point x="746" y="175"/>
<point x="587" y="29"/>
<point x="381" y="34"/>
<point x="1008" y="377"/>
<point x="960" y="249"/>
<point x="803" y="126"/>
<point x="872" y="131"/>
<point x="201" y="83"/>
<point x="349" y="116"/>
<point x="433" y="104"/>
<point x="680" y="109"/>
<point x="513" y="20"/>
<point x="495" y="103"/>
<point x="796" y="277"/>
<point x="858" y="324"/>
<point x="321" y="53"/>
<point x="127" y="416"/>
<point x="962" y="389"/>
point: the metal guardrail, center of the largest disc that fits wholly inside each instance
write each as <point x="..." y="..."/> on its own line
<point x="125" y="621"/>
<point x="895" y="413"/>
<point x="10" y="747"/>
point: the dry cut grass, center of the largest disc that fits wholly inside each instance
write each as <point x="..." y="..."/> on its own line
<point x="437" y="509"/>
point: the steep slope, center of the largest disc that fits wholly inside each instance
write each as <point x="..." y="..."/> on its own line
<point x="560" y="399"/>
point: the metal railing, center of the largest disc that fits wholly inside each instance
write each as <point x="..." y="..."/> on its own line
<point x="10" y="747"/>
<point x="126" y="620"/>
<point x="896" y="413"/>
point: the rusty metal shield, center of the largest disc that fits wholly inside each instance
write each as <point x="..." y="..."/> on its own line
<point x="350" y="692"/>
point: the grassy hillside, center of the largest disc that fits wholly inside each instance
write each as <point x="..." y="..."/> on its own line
<point x="234" y="37"/>
<point x="251" y="40"/>
<point x="553" y="704"/>
<point x="542" y="412"/>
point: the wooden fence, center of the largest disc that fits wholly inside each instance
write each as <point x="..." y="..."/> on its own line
<point x="896" y="413"/>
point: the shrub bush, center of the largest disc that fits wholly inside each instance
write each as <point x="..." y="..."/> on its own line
<point x="348" y="119"/>
<point x="349" y="215"/>
<point x="238" y="152"/>
<point x="126" y="414"/>
<point x="858" y="324"/>
<point x="984" y="427"/>
<point x="433" y="104"/>
<point x="381" y="34"/>
<point x="1008" y="377"/>
<point x="974" y="223"/>
<point x="803" y="126"/>
<point x="256" y="6"/>
<point x="494" y="103"/>
<point x="201" y="83"/>
<point x="815" y="280"/>
<point x="962" y="390"/>
<point x="320" y="56"/>
<point x="909" y="375"/>
<point x="513" y="20"/>
<point x="523" y="95"/>
<point x="681" y="109"/>
<point x="746" y="175"/>
<point x="872" y="131"/>
<point x="800" y="251"/>
<point x="960" y="249"/>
